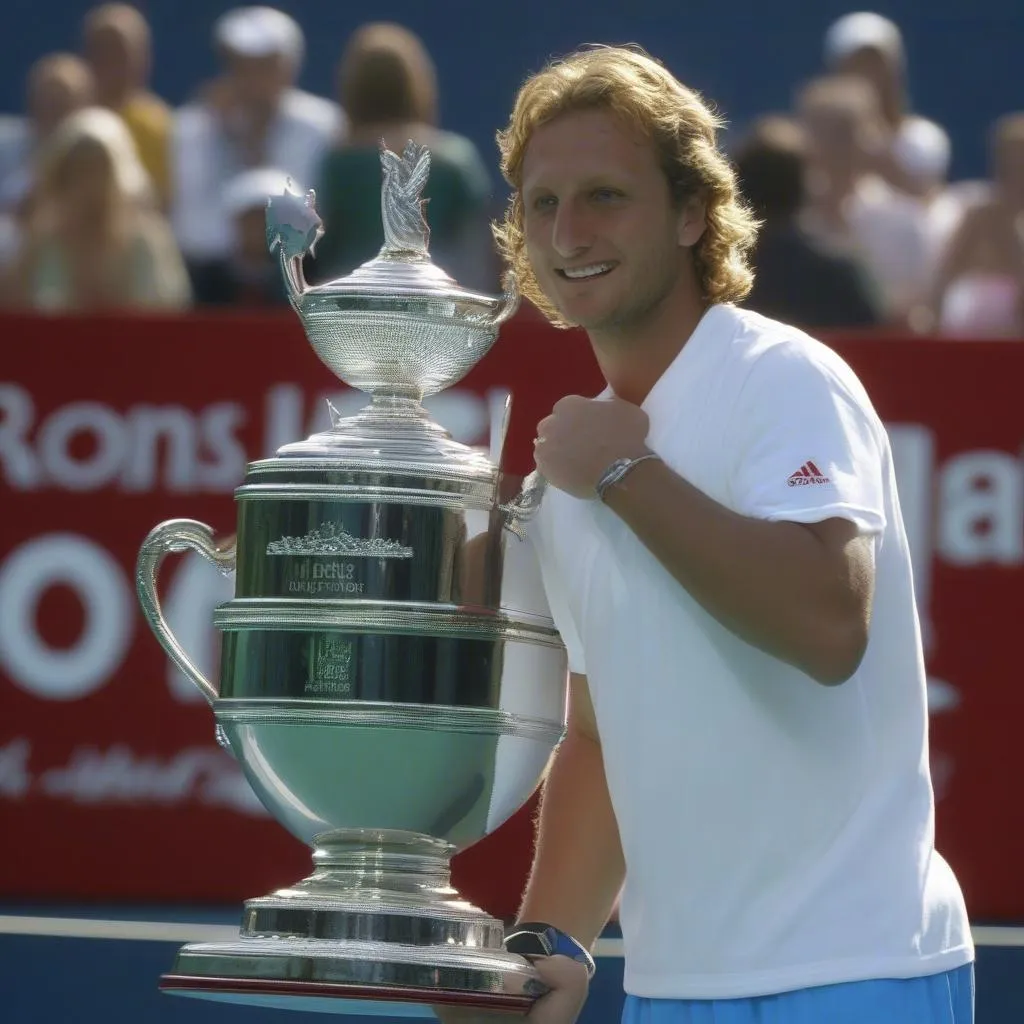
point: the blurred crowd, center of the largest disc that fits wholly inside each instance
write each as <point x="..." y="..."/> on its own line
<point x="112" y="199"/>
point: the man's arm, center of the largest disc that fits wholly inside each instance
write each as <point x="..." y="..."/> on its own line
<point x="578" y="868"/>
<point x="801" y="593"/>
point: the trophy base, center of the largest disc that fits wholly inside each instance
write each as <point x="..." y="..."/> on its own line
<point x="354" y="978"/>
<point x="376" y="929"/>
<point x="351" y="1000"/>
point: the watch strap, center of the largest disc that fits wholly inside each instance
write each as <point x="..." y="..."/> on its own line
<point x="536" y="938"/>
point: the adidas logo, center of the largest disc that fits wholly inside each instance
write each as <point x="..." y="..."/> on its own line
<point x="808" y="474"/>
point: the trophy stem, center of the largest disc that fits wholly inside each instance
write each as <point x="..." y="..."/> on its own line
<point x="392" y="860"/>
<point x="398" y="404"/>
<point x="393" y="886"/>
<point x="393" y="410"/>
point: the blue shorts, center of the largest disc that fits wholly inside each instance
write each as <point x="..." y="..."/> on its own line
<point x="946" y="998"/>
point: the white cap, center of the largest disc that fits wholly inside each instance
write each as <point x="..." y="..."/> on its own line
<point x="260" y="32"/>
<point x="860" y="30"/>
<point x="922" y="150"/>
<point x="250" y="190"/>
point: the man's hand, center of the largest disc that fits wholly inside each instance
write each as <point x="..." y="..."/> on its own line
<point x="582" y="437"/>
<point x="567" y="984"/>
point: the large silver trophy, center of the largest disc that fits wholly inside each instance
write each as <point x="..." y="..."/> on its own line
<point x="391" y="682"/>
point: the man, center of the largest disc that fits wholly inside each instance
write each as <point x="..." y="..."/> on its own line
<point x="721" y="543"/>
<point x="251" y="116"/>
<point x="118" y="47"/>
<point x="796" y="278"/>
<point x="867" y="46"/>
<point x="850" y="206"/>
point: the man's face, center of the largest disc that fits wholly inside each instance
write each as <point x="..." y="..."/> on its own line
<point x="836" y="138"/>
<point x="603" y="237"/>
<point x="257" y="82"/>
<point x="874" y="67"/>
<point x="117" y="58"/>
<point x="52" y="97"/>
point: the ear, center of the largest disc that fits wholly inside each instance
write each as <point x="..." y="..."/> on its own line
<point x="691" y="221"/>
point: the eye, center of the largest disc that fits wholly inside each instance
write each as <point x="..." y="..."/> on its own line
<point x="604" y="195"/>
<point x="545" y="203"/>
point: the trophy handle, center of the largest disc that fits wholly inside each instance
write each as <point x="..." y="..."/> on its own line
<point x="169" y="537"/>
<point x="523" y="507"/>
<point x="508" y="304"/>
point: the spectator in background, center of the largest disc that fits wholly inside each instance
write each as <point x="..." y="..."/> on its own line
<point x="58" y="85"/>
<point x="850" y="207"/>
<point x="249" y="275"/>
<point x="388" y="87"/>
<point x="870" y="47"/>
<point x="118" y="49"/>
<point x="796" y="278"/>
<point x="840" y="118"/>
<point x="93" y="240"/>
<point x="251" y="116"/>
<point x="931" y="207"/>
<point x="979" y="290"/>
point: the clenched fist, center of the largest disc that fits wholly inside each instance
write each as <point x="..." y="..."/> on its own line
<point x="582" y="437"/>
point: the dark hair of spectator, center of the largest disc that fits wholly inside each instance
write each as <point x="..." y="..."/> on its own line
<point x="771" y="167"/>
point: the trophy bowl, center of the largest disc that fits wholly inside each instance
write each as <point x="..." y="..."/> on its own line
<point x="372" y="341"/>
<point x="391" y="681"/>
<point x="398" y="324"/>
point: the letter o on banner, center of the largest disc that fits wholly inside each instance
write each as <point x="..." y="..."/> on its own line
<point x="90" y="418"/>
<point x="77" y="562"/>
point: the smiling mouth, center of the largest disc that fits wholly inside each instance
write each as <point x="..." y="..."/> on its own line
<point x="587" y="273"/>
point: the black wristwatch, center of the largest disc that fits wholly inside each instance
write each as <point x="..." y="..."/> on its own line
<point x="534" y="938"/>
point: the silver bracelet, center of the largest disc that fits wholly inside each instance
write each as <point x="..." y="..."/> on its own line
<point x="617" y="470"/>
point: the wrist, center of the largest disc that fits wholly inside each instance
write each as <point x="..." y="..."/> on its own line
<point x="536" y="938"/>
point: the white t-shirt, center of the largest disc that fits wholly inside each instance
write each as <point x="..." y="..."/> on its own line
<point x="778" y="834"/>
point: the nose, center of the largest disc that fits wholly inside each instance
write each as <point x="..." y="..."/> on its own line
<point x="571" y="234"/>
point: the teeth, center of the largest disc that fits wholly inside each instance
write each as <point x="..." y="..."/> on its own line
<point x="594" y="268"/>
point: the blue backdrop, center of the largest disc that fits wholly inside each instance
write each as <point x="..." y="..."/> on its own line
<point x="747" y="55"/>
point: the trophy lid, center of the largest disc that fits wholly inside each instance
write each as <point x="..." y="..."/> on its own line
<point x="403" y="268"/>
<point x="398" y="324"/>
<point x="398" y="327"/>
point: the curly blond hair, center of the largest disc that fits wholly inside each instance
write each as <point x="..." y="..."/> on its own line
<point x="629" y="83"/>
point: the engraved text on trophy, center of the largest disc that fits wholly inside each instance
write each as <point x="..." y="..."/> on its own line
<point x="331" y="671"/>
<point x="323" y="560"/>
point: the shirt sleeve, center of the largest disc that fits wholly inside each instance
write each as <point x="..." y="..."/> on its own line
<point x="808" y="445"/>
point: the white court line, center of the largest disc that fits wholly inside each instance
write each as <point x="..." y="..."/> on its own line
<point x="135" y="931"/>
<point x="183" y="931"/>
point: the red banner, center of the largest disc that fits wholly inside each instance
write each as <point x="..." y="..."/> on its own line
<point x="111" y="786"/>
